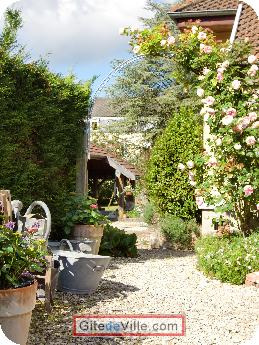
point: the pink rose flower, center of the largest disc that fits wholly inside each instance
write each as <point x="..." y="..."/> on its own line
<point x="251" y="59"/>
<point x="207" y="49"/>
<point x="252" y="116"/>
<point x="219" y="76"/>
<point x="236" y="84"/>
<point x="199" y="200"/>
<point x="245" y="121"/>
<point x="202" y="35"/>
<point x="208" y="100"/>
<point x="231" y="112"/>
<point x="248" y="190"/>
<point x="190" y="164"/>
<point x="163" y="43"/>
<point x="252" y="70"/>
<point x="93" y="206"/>
<point x="250" y="140"/>
<point x="171" y="40"/>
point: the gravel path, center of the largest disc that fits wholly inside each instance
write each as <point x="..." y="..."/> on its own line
<point x="158" y="281"/>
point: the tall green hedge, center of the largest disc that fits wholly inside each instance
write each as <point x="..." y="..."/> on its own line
<point x="41" y="125"/>
<point x="169" y="188"/>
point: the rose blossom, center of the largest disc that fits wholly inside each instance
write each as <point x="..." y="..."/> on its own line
<point x="93" y="206"/>
<point x="238" y="129"/>
<point x="252" y="70"/>
<point x="208" y="100"/>
<point x="207" y="49"/>
<point x="221" y="70"/>
<point x="190" y="164"/>
<point x="200" y="92"/>
<point x="212" y="161"/>
<point x="218" y="141"/>
<point x="251" y="59"/>
<point x="199" y="200"/>
<point x="250" y="140"/>
<point x="225" y="64"/>
<point x="235" y="84"/>
<point x="205" y="70"/>
<point x="202" y="35"/>
<point x="255" y="125"/>
<point x="171" y="40"/>
<point x="227" y="120"/>
<point x="163" y="43"/>
<point x="220" y="77"/>
<point x="136" y="49"/>
<point x="181" y="166"/>
<point x="231" y="112"/>
<point x="194" y="29"/>
<point x="252" y="116"/>
<point x="248" y="189"/>
<point x="245" y="121"/>
<point x="237" y="146"/>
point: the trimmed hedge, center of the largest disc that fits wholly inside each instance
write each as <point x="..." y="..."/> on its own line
<point x="228" y="259"/>
<point x="41" y="126"/>
<point x="168" y="188"/>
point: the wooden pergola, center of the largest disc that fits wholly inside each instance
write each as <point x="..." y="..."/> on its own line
<point x="103" y="165"/>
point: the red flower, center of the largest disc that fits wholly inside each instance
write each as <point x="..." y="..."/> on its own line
<point x="93" y="206"/>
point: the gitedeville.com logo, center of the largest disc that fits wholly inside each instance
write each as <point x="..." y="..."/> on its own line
<point x="128" y="325"/>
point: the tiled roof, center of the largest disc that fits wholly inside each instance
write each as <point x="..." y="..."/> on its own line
<point x="204" y="5"/>
<point x="248" y="26"/>
<point x="96" y="151"/>
<point x="102" y="108"/>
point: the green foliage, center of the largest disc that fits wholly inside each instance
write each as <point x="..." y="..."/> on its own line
<point x="19" y="253"/>
<point x="80" y="209"/>
<point x="228" y="259"/>
<point x="148" y="213"/>
<point x="41" y="126"/>
<point x="179" y="232"/>
<point x="168" y="188"/>
<point x="116" y="242"/>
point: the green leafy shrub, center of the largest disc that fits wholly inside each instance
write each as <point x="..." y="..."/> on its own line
<point x="228" y="259"/>
<point x="179" y="231"/>
<point x="148" y="213"/>
<point x="168" y="188"/>
<point x="41" y="126"/>
<point x="116" y="242"/>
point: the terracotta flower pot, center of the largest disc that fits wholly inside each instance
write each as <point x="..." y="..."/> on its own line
<point x="92" y="232"/>
<point x="16" y="306"/>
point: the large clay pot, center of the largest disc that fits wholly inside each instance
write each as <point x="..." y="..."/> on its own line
<point x="16" y="306"/>
<point x="92" y="232"/>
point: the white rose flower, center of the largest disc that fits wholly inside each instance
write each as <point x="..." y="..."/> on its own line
<point x="237" y="147"/>
<point x="194" y="29"/>
<point x="235" y="84"/>
<point x="251" y="59"/>
<point x="163" y="43"/>
<point x="181" y="166"/>
<point x="190" y="164"/>
<point x="202" y="35"/>
<point x="227" y="120"/>
<point x="200" y="92"/>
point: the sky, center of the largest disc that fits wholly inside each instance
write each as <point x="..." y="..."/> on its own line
<point x="79" y="36"/>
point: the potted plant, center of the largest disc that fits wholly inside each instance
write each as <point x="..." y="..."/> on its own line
<point x="128" y="190"/>
<point x="20" y="256"/>
<point x="83" y="219"/>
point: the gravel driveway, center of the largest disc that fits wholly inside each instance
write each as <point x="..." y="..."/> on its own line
<point x="158" y="281"/>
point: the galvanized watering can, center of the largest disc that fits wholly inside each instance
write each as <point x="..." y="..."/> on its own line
<point x="80" y="273"/>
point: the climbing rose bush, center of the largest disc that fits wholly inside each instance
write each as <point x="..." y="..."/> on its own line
<point x="226" y="81"/>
